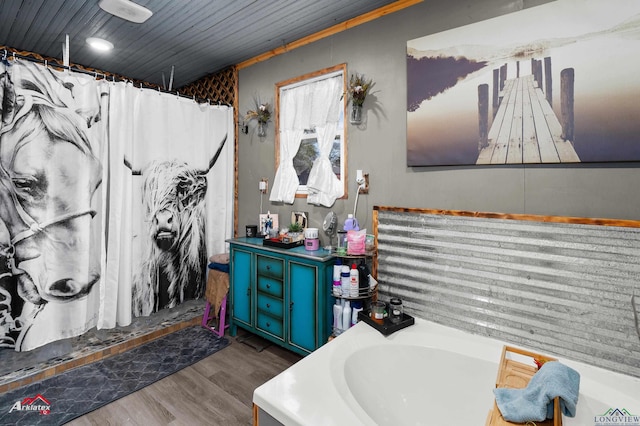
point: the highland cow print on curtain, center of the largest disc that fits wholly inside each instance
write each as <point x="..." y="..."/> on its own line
<point x="178" y="164"/>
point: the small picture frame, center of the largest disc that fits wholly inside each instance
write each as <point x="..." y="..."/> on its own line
<point x="268" y="224"/>
<point x="300" y="217"/>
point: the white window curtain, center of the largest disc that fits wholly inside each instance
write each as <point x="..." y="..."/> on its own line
<point x="313" y="105"/>
<point x="323" y="185"/>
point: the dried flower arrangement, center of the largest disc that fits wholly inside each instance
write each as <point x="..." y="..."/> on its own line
<point x="260" y="113"/>
<point x="358" y="88"/>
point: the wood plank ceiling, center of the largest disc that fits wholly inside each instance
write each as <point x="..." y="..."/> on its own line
<point x="197" y="37"/>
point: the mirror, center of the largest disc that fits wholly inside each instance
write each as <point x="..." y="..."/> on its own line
<point x="309" y="150"/>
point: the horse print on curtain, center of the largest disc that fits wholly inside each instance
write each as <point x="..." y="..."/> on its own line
<point x="49" y="178"/>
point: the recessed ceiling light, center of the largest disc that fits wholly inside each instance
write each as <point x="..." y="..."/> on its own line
<point x="126" y="9"/>
<point x="99" y="44"/>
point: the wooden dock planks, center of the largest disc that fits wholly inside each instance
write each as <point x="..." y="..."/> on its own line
<point x="525" y="129"/>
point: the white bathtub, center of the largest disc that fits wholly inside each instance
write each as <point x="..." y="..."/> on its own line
<point x="426" y="374"/>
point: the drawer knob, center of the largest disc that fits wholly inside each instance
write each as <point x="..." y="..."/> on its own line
<point x="268" y="305"/>
<point x="268" y="267"/>
<point x="268" y="285"/>
<point x="268" y="324"/>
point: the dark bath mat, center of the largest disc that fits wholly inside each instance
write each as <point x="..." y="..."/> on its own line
<point x="81" y="390"/>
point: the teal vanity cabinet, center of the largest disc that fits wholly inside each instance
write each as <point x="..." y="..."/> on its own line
<point x="282" y="295"/>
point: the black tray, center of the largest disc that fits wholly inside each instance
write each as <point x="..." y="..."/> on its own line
<point x="387" y="327"/>
<point x="280" y="244"/>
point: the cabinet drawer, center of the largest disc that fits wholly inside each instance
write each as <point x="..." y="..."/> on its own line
<point x="270" y="267"/>
<point x="270" y="286"/>
<point x="270" y="325"/>
<point x="270" y="305"/>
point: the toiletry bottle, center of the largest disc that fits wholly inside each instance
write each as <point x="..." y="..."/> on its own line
<point x="351" y="224"/>
<point x="346" y="316"/>
<point x="357" y="307"/>
<point x="337" y="318"/>
<point x="345" y="280"/>
<point x="354" y="280"/>
<point x="364" y="273"/>
<point x="337" y="285"/>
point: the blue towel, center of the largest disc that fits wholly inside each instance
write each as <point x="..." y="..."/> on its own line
<point x="223" y="267"/>
<point x="535" y="402"/>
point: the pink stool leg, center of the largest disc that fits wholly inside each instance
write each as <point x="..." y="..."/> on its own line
<point x="205" y="317"/>
<point x="208" y="316"/>
<point x="221" y="318"/>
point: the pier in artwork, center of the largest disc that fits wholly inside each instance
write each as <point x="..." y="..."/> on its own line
<point x="525" y="129"/>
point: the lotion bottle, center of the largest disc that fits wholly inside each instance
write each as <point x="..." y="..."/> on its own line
<point x="357" y="307"/>
<point x="354" y="280"/>
<point x="345" y="280"/>
<point x="346" y="316"/>
<point x="337" y="285"/>
<point x="337" y="318"/>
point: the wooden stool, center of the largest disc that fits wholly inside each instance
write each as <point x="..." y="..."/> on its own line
<point x="217" y="285"/>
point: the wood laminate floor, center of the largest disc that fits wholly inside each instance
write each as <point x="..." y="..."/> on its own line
<point x="215" y="391"/>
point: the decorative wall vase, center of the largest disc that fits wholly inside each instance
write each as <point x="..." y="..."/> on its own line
<point x="356" y="114"/>
<point x="262" y="129"/>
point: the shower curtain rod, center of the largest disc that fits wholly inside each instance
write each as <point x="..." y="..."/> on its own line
<point x="55" y="64"/>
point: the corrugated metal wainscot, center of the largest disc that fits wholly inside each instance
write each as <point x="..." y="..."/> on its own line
<point x="566" y="286"/>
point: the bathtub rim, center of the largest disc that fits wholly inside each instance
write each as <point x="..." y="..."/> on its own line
<point x="306" y="392"/>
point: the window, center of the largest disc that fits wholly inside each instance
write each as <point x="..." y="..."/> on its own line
<point x="307" y="108"/>
<point x="308" y="153"/>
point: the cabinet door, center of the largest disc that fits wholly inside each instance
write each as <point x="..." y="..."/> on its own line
<point x="241" y="288"/>
<point x="303" y="288"/>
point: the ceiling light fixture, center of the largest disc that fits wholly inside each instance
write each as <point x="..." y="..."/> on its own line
<point x="126" y="9"/>
<point x="100" y="44"/>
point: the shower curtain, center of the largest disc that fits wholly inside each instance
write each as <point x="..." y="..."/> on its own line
<point x="111" y="198"/>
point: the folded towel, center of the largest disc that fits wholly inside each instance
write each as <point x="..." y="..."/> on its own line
<point x="223" y="267"/>
<point x="535" y="402"/>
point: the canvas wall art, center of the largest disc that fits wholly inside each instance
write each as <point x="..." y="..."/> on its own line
<point x="555" y="83"/>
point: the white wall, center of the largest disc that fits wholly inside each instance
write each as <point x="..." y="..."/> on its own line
<point x="378" y="49"/>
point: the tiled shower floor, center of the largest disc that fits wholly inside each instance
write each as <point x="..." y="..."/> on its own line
<point x="19" y="368"/>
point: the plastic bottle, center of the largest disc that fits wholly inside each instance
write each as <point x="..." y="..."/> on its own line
<point x="337" y="285"/>
<point x="354" y="280"/>
<point x="346" y="316"/>
<point x="351" y="224"/>
<point x="363" y="269"/>
<point x="357" y="307"/>
<point x="345" y="280"/>
<point x="337" y="317"/>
